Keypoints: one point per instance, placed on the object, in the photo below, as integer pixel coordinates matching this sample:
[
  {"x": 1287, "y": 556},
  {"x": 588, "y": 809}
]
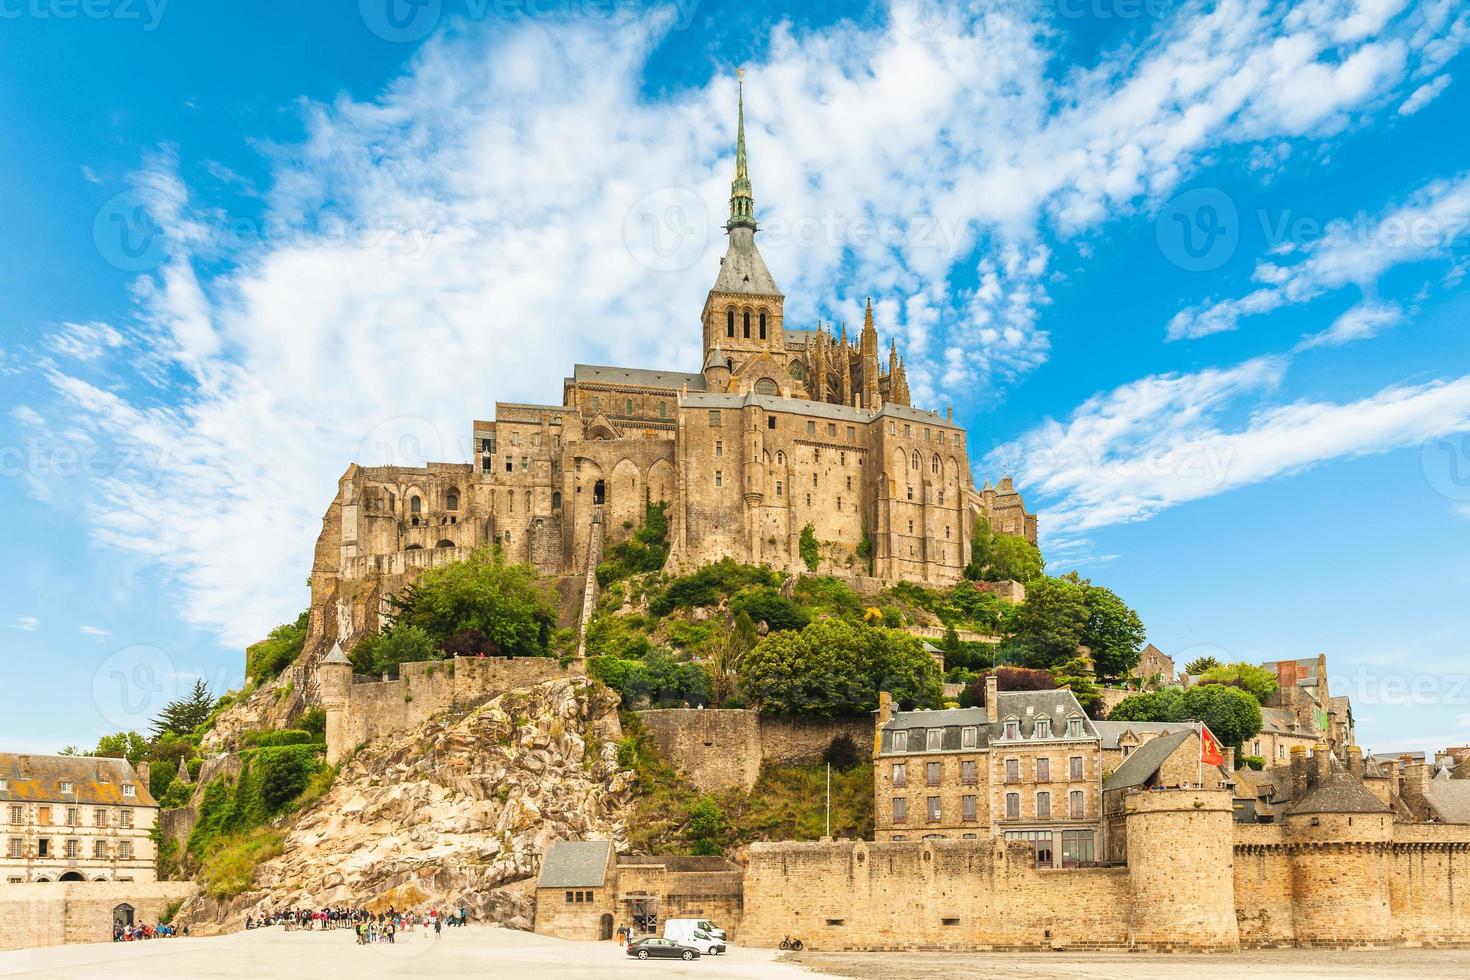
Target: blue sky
[{"x": 1194, "y": 275}]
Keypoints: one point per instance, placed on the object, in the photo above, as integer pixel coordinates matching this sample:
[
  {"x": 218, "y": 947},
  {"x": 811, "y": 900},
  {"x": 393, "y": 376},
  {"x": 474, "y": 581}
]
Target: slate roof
[
  {"x": 1281, "y": 721},
  {"x": 742, "y": 270},
  {"x": 336, "y": 656},
  {"x": 1450, "y": 798},
  {"x": 636, "y": 377},
  {"x": 1023, "y": 706},
  {"x": 1111, "y": 731},
  {"x": 575, "y": 864},
  {"x": 1145, "y": 760},
  {"x": 38, "y": 779},
  {"x": 1338, "y": 793}
]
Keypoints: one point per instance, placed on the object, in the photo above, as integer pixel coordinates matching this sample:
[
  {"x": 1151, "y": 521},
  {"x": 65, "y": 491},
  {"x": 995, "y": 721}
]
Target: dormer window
[
  {"x": 1013, "y": 729},
  {"x": 935, "y": 739},
  {"x": 1043, "y": 728},
  {"x": 66, "y": 786},
  {"x": 1074, "y": 727},
  {"x": 900, "y": 741},
  {"x": 969, "y": 737},
  {"x": 129, "y": 789}
]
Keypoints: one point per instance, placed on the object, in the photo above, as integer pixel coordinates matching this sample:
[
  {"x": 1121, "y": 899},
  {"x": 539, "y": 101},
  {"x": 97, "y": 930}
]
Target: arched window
[
  {"x": 914, "y": 462},
  {"x": 528, "y": 501},
  {"x": 596, "y": 404},
  {"x": 663, "y": 409},
  {"x": 763, "y": 324},
  {"x": 746, "y": 324},
  {"x": 556, "y": 500},
  {"x": 510, "y": 500},
  {"x": 765, "y": 386},
  {"x": 780, "y": 458},
  {"x": 451, "y": 500},
  {"x": 415, "y": 505},
  {"x": 444, "y": 543},
  {"x": 730, "y": 322},
  {"x": 934, "y": 465}
]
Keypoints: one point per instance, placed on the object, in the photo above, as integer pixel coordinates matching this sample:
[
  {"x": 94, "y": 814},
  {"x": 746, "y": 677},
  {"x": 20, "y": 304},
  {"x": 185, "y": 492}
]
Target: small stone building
[
  {"x": 586, "y": 891},
  {"x": 1165, "y": 761}
]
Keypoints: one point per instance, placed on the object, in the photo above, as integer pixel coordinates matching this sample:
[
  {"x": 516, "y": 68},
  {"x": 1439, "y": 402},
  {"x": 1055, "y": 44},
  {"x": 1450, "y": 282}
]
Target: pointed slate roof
[
  {"x": 1338, "y": 793},
  {"x": 1145, "y": 761},
  {"x": 336, "y": 656}
]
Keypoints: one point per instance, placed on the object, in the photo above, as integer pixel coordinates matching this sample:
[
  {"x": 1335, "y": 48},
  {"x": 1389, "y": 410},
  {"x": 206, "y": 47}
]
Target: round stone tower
[
  {"x": 1181, "y": 866},
  {"x": 1341, "y": 840},
  {"x": 334, "y": 677}
]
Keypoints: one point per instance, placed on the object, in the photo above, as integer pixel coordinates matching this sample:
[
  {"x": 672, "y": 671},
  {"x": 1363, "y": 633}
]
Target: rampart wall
[{"x": 724, "y": 748}]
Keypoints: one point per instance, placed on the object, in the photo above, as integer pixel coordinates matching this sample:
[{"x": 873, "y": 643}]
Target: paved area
[
  {"x": 487, "y": 952},
  {"x": 472, "y": 951},
  {"x": 1278, "y": 964}
]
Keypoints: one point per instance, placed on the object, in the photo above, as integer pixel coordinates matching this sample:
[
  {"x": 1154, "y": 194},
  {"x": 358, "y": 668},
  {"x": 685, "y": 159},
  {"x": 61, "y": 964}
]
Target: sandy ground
[
  {"x": 1277, "y": 964},
  {"x": 472, "y": 951},
  {"x": 487, "y": 952}
]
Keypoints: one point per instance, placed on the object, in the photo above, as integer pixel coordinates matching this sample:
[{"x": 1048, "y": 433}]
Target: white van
[
  {"x": 688, "y": 932},
  {"x": 704, "y": 925}
]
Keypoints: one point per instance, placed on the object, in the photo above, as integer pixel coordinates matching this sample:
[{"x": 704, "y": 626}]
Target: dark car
[{"x": 655, "y": 948}]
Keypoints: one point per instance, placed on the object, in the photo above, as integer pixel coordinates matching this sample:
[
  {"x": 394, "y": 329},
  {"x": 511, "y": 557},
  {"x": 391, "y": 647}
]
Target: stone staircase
[{"x": 589, "y": 589}]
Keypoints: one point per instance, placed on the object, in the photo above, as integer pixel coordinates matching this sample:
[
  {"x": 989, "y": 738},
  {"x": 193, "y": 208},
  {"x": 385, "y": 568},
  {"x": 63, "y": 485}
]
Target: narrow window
[
  {"x": 763, "y": 324},
  {"x": 811, "y": 428},
  {"x": 415, "y": 505},
  {"x": 730, "y": 322},
  {"x": 936, "y": 739},
  {"x": 1043, "y": 770},
  {"x": 1043, "y": 728},
  {"x": 714, "y": 417},
  {"x": 933, "y": 808},
  {"x": 1043, "y": 805},
  {"x": 969, "y": 774},
  {"x": 719, "y": 449},
  {"x": 778, "y": 488},
  {"x": 967, "y": 808},
  {"x": 719, "y": 478},
  {"x": 932, "y": 774},
  {"x": 900, "y": 774},
  {"x": 1079, "y": 807},
  {"x": 1013, "y": 770},
  {"x": 1076, "y": 767},
  {"x": 451, "y": 501},
  {"x": 770, "y": 421},
  {"x": 746, "y": 325},
  {"x": 969, "y": 737},
  {"x": 900, "y": 744},
  {"x": 1013, "y": 806},
  {"x": 900, "y": 809},
  {"x": 628, "y": 406},
  {"x": 662, "y": 409}
]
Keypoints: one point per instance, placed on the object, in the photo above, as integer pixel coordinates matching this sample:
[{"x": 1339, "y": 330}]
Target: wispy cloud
[
  {"x": 1350, "y": 252},
  {"x": 1165, "y": 440},
  {"x": 28, "y": 623},
  {"x": 1424, "y": 94},
  {"x": 1359, "y": 323},
  {"x": 95, "y": 631}
]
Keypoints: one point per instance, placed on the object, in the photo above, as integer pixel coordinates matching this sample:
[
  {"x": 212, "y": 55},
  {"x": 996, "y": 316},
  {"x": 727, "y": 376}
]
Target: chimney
[
  {"x": 992, "y": 697},
  {"x": 1298, "y": 772},
  {"x": 1416, "y": 777},
  {"x": 1321, "y": 764},
  {"x": 145, "y": 770},
  {"x": 881, "y": 717},
  {"x": 1355, "y": 762}
]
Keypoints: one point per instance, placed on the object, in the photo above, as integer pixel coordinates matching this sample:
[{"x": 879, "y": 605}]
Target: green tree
[
  {"x": 1200, "y": 665},
  {"x": 1113, "y": 632},
  {"x": 1047, "y": 628},
  {"x": 501, "y": 601},
  {"x": 659, "y": 679},
  {"x": 706, "y": 826},
  {"x": 837, "y": 667},
  {"x": 1232, "y": 714},
  {"x": 1162, "y": 705},
  {"x": 1259, "y": 682},
  {"x": 645, "y": 551},
  {"x": 385, "y": 653},
  {"x": 181, "y": 717},
  {"x": 1074, "y": 675},
  {"x": 807, "y": 547},
  {"x": 725, "y": 654},
  {"x": 1013, "y": 558},
  {"x": 276, "y": 652},
  {"x": 123, "y": 745}
]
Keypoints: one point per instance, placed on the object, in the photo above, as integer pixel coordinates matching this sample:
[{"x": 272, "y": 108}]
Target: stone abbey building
[{"x": 779, "y": 428}]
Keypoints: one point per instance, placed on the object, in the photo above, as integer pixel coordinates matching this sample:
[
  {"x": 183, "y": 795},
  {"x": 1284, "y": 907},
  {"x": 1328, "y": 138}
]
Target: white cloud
[
  {"x": 28, "y": 623},
  {"x": 84, "y": 341},
  {"x": 96, "y": 631},
  {"x": 1359, "y": 323},
  {"x": 1164, "y": 440},
  {"x": 1348, "y": 252},
  {"x": 1423, "y": 95},
  {"x": 484, "y": 197}
]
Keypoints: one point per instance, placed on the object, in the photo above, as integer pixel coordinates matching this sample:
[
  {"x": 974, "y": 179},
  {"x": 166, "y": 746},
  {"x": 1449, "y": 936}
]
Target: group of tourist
[
  {"x": 127, "y": 934},
  {"x": 369, "y": 927}
]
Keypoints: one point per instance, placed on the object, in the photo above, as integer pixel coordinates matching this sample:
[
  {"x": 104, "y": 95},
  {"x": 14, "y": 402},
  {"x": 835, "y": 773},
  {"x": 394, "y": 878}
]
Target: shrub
[
  {"x": 276, "y": 737},
  {"x": 807, "y": 547},
  {"x": 314, "y": 721},
  {"x": 502, "y": 602},
  {"x": 765, "y": 604},
  {"x": 708, "y": 585},
  {"x": 659, "y": 679},
  {"x": 706, "y": 826},
  {"x": 282, "y": 645},
  {"x": 836, "y": 667},
  {"x": 1007, "y": 679},
  {"x": 1259, "y": 682},
  {"x": 229, "y": 869},
  {"x": 825, "y": 595},
  {"x": 645, "y": 551},
  {"x": 384, "y": 653},
  {"x": 1254, "y": 762}
]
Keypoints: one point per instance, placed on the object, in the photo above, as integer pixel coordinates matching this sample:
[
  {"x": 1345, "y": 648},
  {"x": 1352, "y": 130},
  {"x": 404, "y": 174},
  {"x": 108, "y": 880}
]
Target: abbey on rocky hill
[{"x": 781, "y": 428}]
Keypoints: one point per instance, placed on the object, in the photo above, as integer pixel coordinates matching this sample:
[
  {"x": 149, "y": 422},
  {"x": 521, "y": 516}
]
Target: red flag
[{"x": 1209, "y": 747}]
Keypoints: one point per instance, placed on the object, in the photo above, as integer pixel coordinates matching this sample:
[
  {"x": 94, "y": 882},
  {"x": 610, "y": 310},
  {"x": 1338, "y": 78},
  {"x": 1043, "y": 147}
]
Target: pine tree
[{"x": 181, "y": 717}]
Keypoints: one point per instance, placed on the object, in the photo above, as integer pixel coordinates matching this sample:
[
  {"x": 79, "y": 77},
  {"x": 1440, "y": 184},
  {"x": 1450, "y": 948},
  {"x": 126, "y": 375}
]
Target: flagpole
[{"x": 829, "y": 799}]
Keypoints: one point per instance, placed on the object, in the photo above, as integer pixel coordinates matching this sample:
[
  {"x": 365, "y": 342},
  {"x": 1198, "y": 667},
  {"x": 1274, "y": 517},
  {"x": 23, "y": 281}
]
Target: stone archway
[
  {"x": 72, "y": 876},
  {"x": 122, "y": 916},
  {"x": 605, "y": 926}
]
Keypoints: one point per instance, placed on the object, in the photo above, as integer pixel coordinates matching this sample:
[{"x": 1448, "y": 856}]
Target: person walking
[{"x": 438, "y": 924}]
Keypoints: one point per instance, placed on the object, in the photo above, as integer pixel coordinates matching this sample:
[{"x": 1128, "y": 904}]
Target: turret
[
  {"x": 334, "y": 677},
  {"x": 1181, "y": 860},
  {"x": 868, "y": 360}
]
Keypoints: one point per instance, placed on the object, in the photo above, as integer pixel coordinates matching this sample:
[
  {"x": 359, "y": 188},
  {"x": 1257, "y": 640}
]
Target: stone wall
[
  {"x": 53, "y": 913},
  {"x": 939, "y": 894},
  {"x": 374, "y": 709},
  {"x": 724, "y": 748}
]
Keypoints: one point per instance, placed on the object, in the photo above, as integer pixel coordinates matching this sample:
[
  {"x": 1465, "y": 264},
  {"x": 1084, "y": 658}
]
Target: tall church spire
[{"x": 742, "y": 204}]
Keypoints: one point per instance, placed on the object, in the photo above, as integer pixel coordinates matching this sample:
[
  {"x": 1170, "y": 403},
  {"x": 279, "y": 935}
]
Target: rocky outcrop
[{"x": 456, "y": 812}]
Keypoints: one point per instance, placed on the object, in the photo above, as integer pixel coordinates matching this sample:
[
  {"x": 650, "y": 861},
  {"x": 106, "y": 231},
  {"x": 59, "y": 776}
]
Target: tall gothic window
[
  {"x": 746, "y": 324},
  {"x": 730, "y": 322},
  {"x": 763, "y": 324}
]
